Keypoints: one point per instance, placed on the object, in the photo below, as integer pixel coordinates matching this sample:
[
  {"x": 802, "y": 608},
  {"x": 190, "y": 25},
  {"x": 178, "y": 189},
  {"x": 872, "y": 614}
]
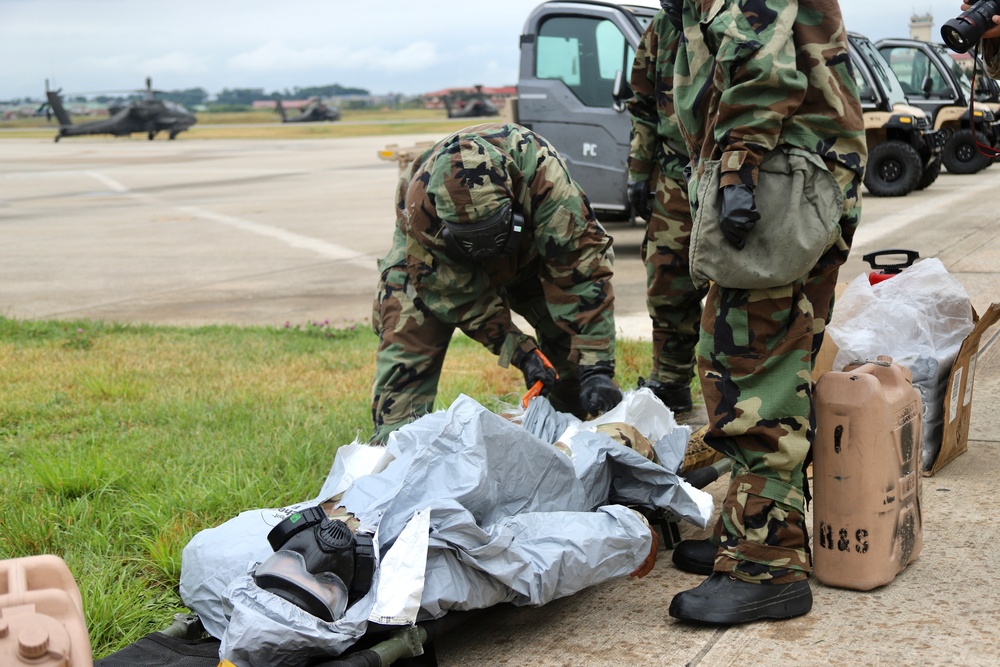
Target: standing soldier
[
  {"x": 489, "y": 221},
  {"x": 658, "y": 192},
  {"x": 752, "y": 77}
]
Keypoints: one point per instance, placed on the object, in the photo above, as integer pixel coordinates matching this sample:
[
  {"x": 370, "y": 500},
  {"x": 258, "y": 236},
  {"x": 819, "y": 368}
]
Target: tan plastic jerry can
[
  {"x": 41, "y": 615},
  {"x": 866, "y": 475}
]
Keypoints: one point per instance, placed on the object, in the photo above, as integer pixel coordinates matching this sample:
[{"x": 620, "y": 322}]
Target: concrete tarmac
[{"x": 266, "y": 232}]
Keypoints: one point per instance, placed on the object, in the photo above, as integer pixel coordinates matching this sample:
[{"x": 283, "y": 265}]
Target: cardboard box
[{"x": 958, "y": 397}]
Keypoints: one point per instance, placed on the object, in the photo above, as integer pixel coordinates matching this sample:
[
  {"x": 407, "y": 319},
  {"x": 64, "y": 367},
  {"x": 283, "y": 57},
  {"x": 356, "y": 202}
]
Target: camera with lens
[
  {"x": 964, "y": 31},
  {"x": 318, "y": 564}
]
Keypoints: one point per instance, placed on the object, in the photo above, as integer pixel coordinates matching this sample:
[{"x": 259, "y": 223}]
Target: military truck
[
  {"x": 933, "y": 81},
  {"x": 904, "y": 151},
  {"x": 576, "y": 58}
]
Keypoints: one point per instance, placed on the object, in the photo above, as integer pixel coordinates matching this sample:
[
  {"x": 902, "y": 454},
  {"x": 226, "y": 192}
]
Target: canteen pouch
[{"x": 800, "y": 205}]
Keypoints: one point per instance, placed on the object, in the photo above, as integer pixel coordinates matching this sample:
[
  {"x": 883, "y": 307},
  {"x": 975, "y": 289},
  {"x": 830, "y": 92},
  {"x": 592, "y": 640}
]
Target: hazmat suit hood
[
  {"x": 468, "y": 180},
  {"x": 469, "y": 187}
]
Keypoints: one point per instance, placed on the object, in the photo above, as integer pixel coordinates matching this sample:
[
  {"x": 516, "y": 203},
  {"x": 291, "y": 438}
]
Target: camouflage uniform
[
  {"x": 658, "y": 154},
  {"x": 558, "y": 278},
  {"x": 990, "y": 51},
  {"x": 751, "y": 75}
]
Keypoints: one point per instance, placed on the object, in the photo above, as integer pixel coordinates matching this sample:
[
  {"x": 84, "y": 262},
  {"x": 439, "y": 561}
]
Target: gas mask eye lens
[{"x": 286, "y": 575}]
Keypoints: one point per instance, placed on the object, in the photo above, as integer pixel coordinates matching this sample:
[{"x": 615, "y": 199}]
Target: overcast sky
[{"x": 384, "y": 46}]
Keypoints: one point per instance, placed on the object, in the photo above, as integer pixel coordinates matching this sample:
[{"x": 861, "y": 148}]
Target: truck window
[
  {"x": 958, "y": 75},
  {"x": 585, "y": 54},
  {"x": 865, "y": 90},
  {"x": 880, "y": 70},
  {"x": 912, "y": 68}
]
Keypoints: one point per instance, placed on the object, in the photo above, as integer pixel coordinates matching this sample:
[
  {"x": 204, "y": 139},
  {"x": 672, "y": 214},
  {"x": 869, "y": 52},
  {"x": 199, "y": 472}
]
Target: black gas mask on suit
[
  {"x": 318, "y": 564},
  {"x": 493, "y": 237}
]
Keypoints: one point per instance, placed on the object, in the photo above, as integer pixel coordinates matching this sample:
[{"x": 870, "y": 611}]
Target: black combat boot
[
  {"x": 725, "y": 600},
  {"x": 675, "y": 395},
  {"x": 695, "y": 556}
]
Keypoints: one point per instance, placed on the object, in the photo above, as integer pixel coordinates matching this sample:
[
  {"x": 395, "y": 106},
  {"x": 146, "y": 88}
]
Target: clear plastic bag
[{"x": 919, "y": 318}]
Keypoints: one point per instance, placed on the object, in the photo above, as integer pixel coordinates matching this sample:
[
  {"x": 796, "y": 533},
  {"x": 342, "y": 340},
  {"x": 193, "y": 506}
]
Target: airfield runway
[
  {"x": 271, "y": 231},
  {"x": 266, "y": 232}
]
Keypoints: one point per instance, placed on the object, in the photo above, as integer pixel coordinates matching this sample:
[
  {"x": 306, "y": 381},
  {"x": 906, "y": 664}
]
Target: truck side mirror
[
  {"x": 619, "y": 92},
  {"x": 927, "y": 85}
]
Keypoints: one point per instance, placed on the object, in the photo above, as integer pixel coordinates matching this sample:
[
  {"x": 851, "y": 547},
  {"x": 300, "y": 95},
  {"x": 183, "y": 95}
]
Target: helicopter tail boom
[{"x": 55, "y": 103}]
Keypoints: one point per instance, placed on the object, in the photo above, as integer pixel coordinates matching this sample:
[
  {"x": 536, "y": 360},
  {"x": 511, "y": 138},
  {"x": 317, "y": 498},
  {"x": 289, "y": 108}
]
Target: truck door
[
  {"x": 926, "y": 84},
  {"x": 570, "y": 56}
]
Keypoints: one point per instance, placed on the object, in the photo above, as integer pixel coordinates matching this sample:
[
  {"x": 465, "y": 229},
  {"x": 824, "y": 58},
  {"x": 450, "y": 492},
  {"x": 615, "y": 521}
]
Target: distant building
[
  {"x": 964, "y": 61},
  {"x": 922, "y": 27},
  {"x": 499, "y": 96}
]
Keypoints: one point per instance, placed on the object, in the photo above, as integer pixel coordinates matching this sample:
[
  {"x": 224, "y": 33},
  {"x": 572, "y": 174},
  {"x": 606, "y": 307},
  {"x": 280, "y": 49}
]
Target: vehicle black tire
[
  {"x": 960, "y": 155},
  {"x": 894, "y": 169},
  {"x": 931, "y": 172}
]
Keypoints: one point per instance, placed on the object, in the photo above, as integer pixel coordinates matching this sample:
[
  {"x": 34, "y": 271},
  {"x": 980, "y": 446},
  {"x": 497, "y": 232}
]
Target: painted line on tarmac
[
  {"x": 108, "y": 181},
  {"x": 291, "y": 239},
  {"x": 891, "y": 224}
]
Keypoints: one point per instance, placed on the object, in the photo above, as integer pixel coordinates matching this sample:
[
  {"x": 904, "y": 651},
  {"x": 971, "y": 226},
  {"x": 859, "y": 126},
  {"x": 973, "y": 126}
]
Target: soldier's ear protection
[{"x": 496, "y": 236}]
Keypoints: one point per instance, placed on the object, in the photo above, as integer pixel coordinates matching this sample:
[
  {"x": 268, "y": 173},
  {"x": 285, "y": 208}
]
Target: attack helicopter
[
  {"x": 477, "y": 105},
  {"x": 314, "y": 111},
  {"x": 149, "y": 114}
]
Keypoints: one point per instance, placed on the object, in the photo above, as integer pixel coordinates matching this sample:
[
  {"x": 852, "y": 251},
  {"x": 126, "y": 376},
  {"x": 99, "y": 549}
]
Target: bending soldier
[{"x": 489, "y": 221}]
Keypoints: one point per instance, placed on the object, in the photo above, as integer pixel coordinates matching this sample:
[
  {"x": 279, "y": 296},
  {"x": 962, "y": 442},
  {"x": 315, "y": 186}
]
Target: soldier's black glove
[
  {"x": 598, "y": 391},
  {"x": 536, "y": 368},
  {"x": 738, "y": 215},
  {"x": 640, "y": 199}
]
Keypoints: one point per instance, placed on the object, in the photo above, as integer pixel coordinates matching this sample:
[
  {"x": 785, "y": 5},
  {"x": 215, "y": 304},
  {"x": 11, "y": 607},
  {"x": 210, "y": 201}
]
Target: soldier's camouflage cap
[{"x": 468, "y": 179}]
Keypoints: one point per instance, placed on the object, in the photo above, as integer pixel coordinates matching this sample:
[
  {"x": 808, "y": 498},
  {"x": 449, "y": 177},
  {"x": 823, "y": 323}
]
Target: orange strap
[{"x": 536, "y": 389}]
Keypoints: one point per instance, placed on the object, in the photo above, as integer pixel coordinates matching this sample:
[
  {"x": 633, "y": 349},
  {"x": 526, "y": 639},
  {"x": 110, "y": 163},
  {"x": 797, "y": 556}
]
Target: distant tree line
[{"x": 247, "y": 96}]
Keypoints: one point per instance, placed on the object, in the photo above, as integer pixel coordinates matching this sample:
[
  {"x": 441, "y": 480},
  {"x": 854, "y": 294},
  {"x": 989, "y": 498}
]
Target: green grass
[{"x": 118, "y": 443}]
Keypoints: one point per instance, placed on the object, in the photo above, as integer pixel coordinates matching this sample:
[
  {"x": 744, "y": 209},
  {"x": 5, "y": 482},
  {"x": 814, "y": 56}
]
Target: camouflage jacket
[
  {"x": 990, "y": 51},
  {"x": 656, "y": 138},
  {"x": 753, "y": 74},
  {"x": 565, "y": 247}
]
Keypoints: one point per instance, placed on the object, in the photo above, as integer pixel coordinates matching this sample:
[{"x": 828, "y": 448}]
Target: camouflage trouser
[
  {"x": 413, "y": 343},
  {"x": 673, "y": 302},
  {"x": 755, "y": 357}
]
